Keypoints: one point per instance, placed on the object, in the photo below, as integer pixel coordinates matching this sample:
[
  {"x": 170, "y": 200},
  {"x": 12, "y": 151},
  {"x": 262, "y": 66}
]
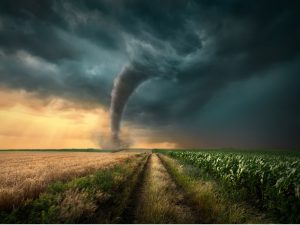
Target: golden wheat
[
  {"x": 75, "y": 204},
  {"x": 25, "y": 175}
]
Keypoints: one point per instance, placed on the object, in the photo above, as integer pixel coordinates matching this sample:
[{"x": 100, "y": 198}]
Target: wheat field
[{"x": 25, "y": 175}]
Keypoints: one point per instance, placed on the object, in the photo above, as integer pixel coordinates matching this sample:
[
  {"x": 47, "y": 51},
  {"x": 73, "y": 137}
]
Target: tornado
[{"x": 128, "y": 80}]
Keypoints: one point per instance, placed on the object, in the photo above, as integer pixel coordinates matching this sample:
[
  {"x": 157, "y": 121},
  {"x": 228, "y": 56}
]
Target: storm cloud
[{"x": 212, "y": 73}]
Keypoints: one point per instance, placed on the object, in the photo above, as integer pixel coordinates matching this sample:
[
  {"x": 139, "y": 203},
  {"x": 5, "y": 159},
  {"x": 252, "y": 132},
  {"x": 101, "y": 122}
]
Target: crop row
[{"x": 272, "y": 181}]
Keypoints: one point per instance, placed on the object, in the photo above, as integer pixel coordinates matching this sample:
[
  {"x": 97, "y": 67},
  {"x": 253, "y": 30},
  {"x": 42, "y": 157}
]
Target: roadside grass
[
  {"x": 98, "y": 198},
  {"x": 212, "y": 201},
  {"x": 160, "y": 201}
]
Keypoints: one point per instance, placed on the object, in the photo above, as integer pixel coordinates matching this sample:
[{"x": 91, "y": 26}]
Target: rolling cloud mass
[{"x": 198, "y": 73}]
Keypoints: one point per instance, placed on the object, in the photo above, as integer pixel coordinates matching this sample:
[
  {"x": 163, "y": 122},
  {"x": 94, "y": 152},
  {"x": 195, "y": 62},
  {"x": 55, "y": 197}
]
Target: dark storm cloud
[{"x": 224, "y": 73}]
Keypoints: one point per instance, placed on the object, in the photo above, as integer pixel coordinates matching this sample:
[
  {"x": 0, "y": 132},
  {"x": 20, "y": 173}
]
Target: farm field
[
  {"x": 156, "y": 186},
  {"x": 26, "y": 174},
  {"x": 268, "y": 182}
]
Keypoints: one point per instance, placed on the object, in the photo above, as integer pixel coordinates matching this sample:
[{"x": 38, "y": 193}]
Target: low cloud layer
[{"x": 217, "y": 74}]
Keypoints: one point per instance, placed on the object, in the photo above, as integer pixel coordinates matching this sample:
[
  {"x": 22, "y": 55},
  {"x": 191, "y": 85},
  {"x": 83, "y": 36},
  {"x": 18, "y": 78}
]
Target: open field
[
  {"x": 270, "y": 182},
  {"x": 147, "y": 186},
  {"x": 25, "y": 174},
  {"x": 99, "y": 197},
  {"x": 60, "y": 150}
]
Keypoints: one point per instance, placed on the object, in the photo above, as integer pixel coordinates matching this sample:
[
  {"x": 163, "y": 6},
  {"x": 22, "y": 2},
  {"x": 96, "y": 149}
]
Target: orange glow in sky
[{"x": 30, "y": 122}]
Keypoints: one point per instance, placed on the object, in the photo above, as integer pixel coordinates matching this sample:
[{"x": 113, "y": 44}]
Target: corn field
[{"x": 272, "y": 181}]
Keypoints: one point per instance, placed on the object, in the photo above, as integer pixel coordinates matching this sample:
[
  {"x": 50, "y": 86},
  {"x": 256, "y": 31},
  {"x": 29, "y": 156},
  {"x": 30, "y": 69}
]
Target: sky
[{"x": 202, "y": 74}]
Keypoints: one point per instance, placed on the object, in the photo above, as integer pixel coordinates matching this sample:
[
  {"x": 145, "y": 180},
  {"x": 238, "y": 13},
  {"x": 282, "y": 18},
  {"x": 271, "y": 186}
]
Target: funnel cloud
[{"x": 124, "y": 85}]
